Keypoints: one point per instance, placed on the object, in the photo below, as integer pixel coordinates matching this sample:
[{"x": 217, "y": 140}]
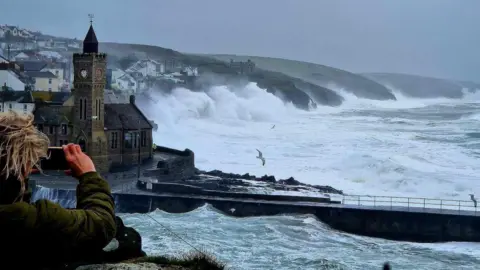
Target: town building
[
  {"x": 44, "y": 80},
  {"x": 12, "y": 76},
  {"x": 112, "y": 134},
  {"x": 19, "y": 101},
  {"x": 241, "y": 67}
]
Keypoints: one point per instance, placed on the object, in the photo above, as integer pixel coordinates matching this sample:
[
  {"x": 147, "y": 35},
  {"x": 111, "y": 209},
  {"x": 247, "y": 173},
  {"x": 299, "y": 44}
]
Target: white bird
[
  {"x": 232, "y": 210},
  {"x": 472, "y": 197},
  {"x": 260, "y": 156}
]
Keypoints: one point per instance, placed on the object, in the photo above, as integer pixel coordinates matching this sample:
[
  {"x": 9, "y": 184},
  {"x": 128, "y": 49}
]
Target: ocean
[{"x": 409, "y": 147}]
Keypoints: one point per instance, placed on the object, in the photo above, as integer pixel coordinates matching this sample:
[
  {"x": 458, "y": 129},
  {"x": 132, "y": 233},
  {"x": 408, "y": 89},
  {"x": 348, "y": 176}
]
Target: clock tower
[{"x": 88, "y": 93}]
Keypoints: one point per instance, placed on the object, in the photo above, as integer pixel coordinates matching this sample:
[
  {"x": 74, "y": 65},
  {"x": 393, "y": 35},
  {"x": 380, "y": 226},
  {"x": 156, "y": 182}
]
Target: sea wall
[
  {"x": 176, "y": 188},
  {"x": 176, "y": 166},
  {"x": 414, "y": 225}
]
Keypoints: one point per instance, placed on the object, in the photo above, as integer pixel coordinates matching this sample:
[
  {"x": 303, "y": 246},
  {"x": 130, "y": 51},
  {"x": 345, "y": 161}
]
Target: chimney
[{"x": 132, "y": 99}]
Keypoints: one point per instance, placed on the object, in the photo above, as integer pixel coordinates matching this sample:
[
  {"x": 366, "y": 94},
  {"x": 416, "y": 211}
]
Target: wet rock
[
  {"x": 267, "y": 178},
  {"x": 125, "y": 266},
  {"x": 290, "y": 181}
]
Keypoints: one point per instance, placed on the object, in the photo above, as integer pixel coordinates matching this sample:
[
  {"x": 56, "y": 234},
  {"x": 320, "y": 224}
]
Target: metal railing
[{"x": 409, "y": 203}]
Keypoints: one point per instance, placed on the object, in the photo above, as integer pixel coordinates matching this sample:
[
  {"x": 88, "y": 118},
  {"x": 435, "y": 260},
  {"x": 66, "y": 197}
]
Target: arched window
[
  {"x": 81, "y": 108},
  {"x": 128, "y": 139},
  {"x": 98, "y": 108},
  {"x": 84, "y": 108}
]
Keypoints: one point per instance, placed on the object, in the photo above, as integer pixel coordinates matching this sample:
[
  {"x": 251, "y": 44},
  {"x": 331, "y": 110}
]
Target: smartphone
[{"x": 55, "y": 161}]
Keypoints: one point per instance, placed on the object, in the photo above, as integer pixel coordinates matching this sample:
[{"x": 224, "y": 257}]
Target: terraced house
[{"x": 113, "y": 132}]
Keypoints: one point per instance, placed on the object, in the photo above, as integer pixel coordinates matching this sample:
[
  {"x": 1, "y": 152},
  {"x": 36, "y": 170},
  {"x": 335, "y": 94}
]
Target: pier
[{"x": 393, "y": 218}]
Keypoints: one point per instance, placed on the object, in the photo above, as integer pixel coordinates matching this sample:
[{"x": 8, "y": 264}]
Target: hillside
[
  {"x": 290, "y": 88},
  {"x": 320, "y": 75},
  {"x": 423, "y": 87}
]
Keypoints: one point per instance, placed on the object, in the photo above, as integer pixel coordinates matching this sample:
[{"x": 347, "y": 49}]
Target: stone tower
[{"x": 88, "y": 112}]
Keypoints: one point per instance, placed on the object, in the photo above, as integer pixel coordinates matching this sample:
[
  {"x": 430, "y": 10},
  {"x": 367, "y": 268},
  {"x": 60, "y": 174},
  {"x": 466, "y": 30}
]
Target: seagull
[
  {"x": 472, "y": 197},
  {"x": 232, "y": 210},
  {"x": 260, "y": 156},
  {"x": 272, "y": 127}
]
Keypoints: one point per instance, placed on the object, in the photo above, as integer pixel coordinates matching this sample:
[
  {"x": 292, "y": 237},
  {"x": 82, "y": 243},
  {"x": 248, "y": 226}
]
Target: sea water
[{"x": 409, "y": 147}]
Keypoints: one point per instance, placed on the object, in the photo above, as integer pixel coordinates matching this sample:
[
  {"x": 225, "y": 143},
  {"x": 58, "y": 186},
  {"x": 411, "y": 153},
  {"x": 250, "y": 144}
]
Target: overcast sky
[{"x": 437, "y": 38}]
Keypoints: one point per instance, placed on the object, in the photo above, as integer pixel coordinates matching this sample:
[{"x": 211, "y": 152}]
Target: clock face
[
  {"x": 83, "y": 73},
  {"x": 98, "y": 73}
]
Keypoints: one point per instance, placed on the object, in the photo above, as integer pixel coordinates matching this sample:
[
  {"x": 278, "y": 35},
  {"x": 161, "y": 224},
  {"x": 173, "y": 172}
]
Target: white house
[
  {"x": 147, "y": 67},
  {"x": 19, "y": 101},
  {"x": 51, "y": 55},
  {"x": 2, "y": 58},
  {"x": 21, "y": 56},
  {"x": 125, "y": 83},
  {"x": 191, "y": 71},
  {"x": 74, "y": 45},
  {"x": 117, "y": 73},
  {"x": 10, "y": 79}
]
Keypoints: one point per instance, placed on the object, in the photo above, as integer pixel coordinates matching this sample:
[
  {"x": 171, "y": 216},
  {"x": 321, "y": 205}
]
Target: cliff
[
  {"x": 321, "y": 75},
  {"x": 423, "y": 87},
  {"x": 217, "y": 72}
]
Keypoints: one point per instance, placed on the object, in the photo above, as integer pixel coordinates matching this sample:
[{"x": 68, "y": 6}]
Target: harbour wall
[{"x": 394, "y": 223}]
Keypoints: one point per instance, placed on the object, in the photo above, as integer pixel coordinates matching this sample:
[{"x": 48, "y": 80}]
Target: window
[
  {"x": 143, "y": 138},
  {"x": 64, "y": 129},
  {"x": 135, "y": 139},
  {"x": 51, "y": 129},
  {"x": 10, "y": 106},
  {"x": 25, "y": 107},
  {"x": 50, "y": 89},
  {"x": 84, "y": 108},
  {"x": 1, "y": 108},
  {"x": 56, "y": 73},
  {"x": 50, "y": 81},
  {"x": 97, "y": 108},
  {"x": 128, "y": 139},
  {"x": 81, "y": 108},
  {"x": 114, "y": 140}
]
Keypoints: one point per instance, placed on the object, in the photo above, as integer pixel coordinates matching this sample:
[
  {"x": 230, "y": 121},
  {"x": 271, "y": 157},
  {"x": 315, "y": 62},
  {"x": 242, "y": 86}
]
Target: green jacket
[{"x": 45, "y": 233}]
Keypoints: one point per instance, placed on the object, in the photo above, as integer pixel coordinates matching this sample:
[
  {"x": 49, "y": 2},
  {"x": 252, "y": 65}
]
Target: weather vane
[{"x": 91, "y": 18}]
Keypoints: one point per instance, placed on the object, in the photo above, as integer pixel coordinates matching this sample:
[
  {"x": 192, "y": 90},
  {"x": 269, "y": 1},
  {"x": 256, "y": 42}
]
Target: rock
[
  {"x": 120, "y": 266},
  {"x": 267, "y": 178},
  {"x": 290, "y": 181}
]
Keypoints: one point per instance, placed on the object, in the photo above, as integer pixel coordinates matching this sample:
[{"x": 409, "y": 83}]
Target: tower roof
[{"x": 90, "y": 43}]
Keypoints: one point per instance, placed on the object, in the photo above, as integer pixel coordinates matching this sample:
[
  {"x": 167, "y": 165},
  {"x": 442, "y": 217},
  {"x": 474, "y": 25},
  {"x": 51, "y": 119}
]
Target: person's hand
[{"x": 78, "y": 161}]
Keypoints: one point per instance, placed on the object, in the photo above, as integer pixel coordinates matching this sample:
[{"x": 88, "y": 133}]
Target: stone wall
[
  {"x": 415, "y": 226},
  {"x": 178, "y": 165},
  {"x": 394, "y": 225},
  {"x": 126, "y": 157},
  {"x": 176, "y": 188}
]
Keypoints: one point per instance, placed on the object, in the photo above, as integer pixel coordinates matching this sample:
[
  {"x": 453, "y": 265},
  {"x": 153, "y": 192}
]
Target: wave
[
  {"x": 402, "y": 101},
  {"x": 289, "y": 239},
  {"x": 254, "y": 104}
]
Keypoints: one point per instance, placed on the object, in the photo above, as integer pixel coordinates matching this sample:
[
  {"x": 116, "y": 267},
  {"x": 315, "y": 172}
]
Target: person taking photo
[{"x": 43, "y": 233}]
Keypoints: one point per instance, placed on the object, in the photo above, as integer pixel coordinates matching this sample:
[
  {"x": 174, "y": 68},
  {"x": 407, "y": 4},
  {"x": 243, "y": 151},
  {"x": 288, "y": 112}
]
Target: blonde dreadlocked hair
[{"x": 21, "y": 145}]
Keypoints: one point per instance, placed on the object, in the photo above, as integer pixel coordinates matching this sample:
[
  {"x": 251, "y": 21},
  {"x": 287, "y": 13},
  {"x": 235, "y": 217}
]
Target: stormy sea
[{"x": 417, "y": 147}]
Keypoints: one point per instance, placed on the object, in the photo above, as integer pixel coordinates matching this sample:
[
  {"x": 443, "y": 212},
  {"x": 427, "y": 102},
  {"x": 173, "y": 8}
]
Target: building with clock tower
[
  {"x": 88, "y": 115},
  {"x": 113, "y": 132}
]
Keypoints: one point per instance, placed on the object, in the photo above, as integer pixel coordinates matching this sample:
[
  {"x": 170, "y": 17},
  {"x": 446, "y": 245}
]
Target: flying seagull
[
  {"x": 272, "y": 127},
  {"x": 472, "y": 197},
  {"x": 260, "y": 156}
]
